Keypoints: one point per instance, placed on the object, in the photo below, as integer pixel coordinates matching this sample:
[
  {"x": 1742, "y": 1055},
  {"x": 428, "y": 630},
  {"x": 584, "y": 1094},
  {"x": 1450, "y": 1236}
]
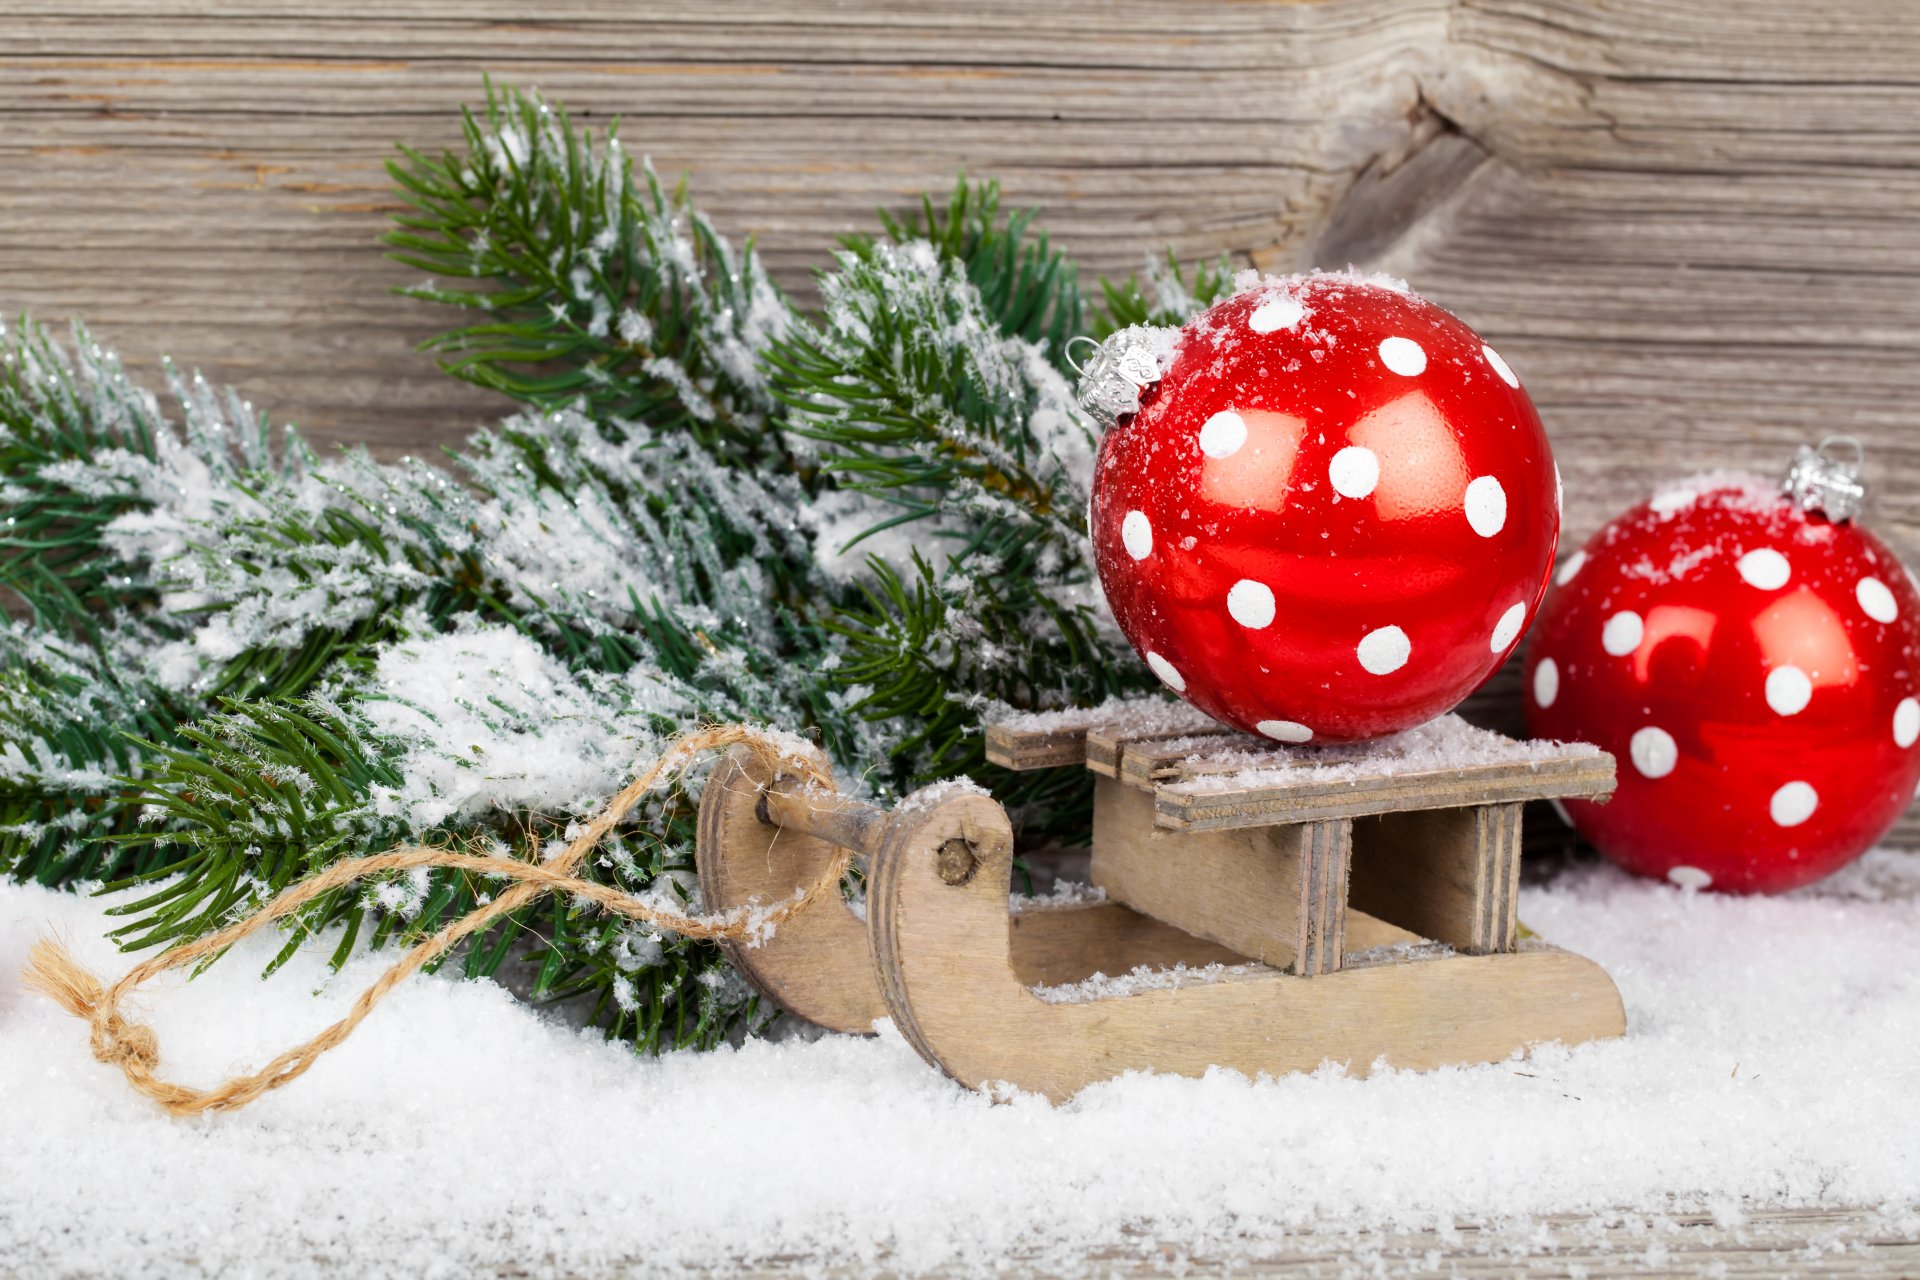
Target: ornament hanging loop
[
  {"x": 1826, "y": 478},
  {"x": 1072, "y": 361},
  {"x": 1117, "y": 371}
]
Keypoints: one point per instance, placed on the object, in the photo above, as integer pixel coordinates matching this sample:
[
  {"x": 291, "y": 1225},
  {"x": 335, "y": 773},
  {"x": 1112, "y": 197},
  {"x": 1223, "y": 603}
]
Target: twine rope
[{"x": 135, "y": 1049}]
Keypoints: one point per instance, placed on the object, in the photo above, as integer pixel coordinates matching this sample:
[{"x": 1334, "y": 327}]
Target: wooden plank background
[{"x": 1689, "y": 224}]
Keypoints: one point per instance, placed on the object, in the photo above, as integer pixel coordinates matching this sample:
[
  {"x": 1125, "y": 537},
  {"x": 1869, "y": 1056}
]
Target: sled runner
[{"x": 1268, "y": 908}]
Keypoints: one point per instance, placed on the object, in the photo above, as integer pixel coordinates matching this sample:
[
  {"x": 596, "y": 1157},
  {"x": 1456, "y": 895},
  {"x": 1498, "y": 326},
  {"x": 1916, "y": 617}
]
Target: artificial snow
[
  {"x": 1065, "y": 893},
  {"x": 491, "y": 721},
  {"x": 1448, "y": 742},
  {"x": 1216, "y": 758},
  {"x": 1135, "y": 717},
  {"x": 1769, "y": 1062},
  {"x": 1099, "y": 986}
]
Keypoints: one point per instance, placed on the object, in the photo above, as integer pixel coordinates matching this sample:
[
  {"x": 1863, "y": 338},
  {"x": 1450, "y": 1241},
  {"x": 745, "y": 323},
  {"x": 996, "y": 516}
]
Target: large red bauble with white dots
[
  {"x": 1332, "y": 516},
  {"x": 1753, "y": 667}
]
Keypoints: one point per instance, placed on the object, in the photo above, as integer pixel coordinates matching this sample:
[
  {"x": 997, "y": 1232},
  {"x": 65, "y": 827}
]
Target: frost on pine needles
[{"x": 235, "y": 662}]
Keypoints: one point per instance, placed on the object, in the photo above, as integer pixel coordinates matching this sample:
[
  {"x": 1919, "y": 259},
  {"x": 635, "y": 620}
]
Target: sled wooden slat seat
[{"x": 1275, "y": 850}]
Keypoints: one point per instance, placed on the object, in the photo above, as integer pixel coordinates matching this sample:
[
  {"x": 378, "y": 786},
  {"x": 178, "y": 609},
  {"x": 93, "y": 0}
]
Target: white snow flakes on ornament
[
  {"x": 1499, "y": 366},
  {"x": 1575, "y": 562},
  {"x": 1507, "y": 630},
  {"x": 1876, "y": 600},
  {"x": 1766, "y": 569},
  {"x": 1546, "y": 682},
  {"x": 1788, "y": 690},
  {"x": 1621, "y": 634},
  {"x": 1486, "y": 504},
  {"x": 1793, "y": 804},
  {"x": 1668, "y": 501},
  {"x": 1403, "y": 356},
  {"x": 1354, "y": 471},
  {"x": 1285, "y": 730},
  {"x": 1906, "y": 723},
  {"x": 1384, "y": 651},
  {"x": 1689, "y": 877},
  {"x": 1251, "y": 604},
  {"x": 1223, "y": 434},
  {"x": 1169, "y": 676},
  {"x": 1278, "y": 312},
  {"x": 1653, "y": 751},
  {"x": 1136, "y": 534}
]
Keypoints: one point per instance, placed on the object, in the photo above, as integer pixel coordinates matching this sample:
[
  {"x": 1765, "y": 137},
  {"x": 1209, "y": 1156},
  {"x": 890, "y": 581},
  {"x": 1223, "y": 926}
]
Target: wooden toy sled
[{"x": 1266, "y": 908}]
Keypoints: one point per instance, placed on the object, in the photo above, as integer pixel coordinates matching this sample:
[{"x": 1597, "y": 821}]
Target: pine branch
[
  {"x": 1164, "y": 298},
  {"x": 260, "y": 795},
  {"x": 1030, "y": 289},
  {"x": 225, "y": 571},
  {"x": 97, "y": 493},
  {"x": 599, "y": 290},
  {"x": 964, "y": 442},
  {"x": 244, "y": 663}
]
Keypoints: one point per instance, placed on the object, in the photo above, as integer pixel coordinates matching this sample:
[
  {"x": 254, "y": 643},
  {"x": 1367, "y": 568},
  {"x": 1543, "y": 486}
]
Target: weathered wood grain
[
  {"x": 1787, "y": 1242},
  {"x": 1688, "y": 225}
]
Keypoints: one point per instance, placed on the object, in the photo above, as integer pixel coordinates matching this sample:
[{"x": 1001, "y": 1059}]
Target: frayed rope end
[{"x": 54, "y": 973}]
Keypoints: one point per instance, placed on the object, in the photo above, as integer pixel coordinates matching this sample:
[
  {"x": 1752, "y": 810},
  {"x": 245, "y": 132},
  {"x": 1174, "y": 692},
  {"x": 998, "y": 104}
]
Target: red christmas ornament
[
  {"x": 1332, "y": 514},
  {"x": 1753, "y": 665}
]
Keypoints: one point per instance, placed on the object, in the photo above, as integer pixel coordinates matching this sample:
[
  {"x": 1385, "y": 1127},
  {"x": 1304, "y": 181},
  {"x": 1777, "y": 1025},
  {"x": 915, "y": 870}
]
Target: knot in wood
[{"x": 955, "y": 861}]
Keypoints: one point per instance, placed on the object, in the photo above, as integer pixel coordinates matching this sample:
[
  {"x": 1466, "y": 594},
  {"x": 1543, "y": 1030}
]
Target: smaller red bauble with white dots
[
  {"x": 1755, "y": 668},
  {"x": 1325, "y": 508}
]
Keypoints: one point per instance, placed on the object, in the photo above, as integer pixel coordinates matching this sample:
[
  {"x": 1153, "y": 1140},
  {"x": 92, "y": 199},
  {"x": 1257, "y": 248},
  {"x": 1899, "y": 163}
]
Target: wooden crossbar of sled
[{"x": 1288, "y": 906}]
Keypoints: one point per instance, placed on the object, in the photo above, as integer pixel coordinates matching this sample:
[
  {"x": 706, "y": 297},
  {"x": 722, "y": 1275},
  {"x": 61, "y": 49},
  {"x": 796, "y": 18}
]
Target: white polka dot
[
  {"x": 1165, "y": 670},
  {"x": 1136, "y": 532},
  {"x": 1621, "y": 635},
  {"x": 1280, "y": 312},
  {"x": 1354, "y": 471},
  {"x": 1384, "y": 651},
  {"x": 1507, "y": 630},
  {"x": 1546, "y": 681},
  {"x": 1403, "y": 356},
  {"x": 1223, "y": 434},
  {"x": 1766, "y": 569},
  {"x": 1575, "y": 562},
  {"x": 1788, "y": 690},
  {"x": 1876, "y": 600},
  {"x": 1689, "y": 877},
  {"x": 1906, "y": 723},
  {"x": 1499, "y": 366},
  {"x": 1251, "y": 603},
  {"x": 1793, "y": 804},
  {"x": 1486, "y": 504},
  {"x": 1285, "y": 730},
  {"x": 1653, "y": 751}
]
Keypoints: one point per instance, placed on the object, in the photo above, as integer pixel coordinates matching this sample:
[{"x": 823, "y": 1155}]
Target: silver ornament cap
[
  {"x": 1826, "y": 478},
  {"x": 1118, "y": 370}
]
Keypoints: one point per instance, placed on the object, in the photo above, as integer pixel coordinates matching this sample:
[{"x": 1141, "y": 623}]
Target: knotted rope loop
[
  {"x": 117, "y": 1041},
  {"x": 135, "y": 1049}
]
